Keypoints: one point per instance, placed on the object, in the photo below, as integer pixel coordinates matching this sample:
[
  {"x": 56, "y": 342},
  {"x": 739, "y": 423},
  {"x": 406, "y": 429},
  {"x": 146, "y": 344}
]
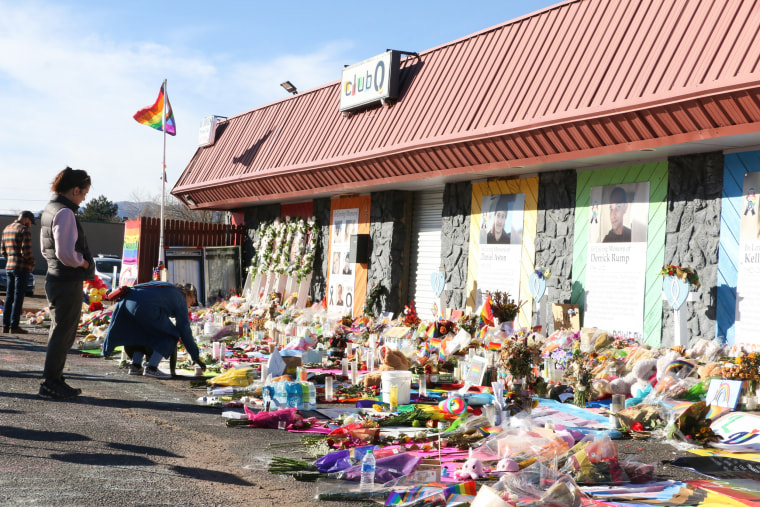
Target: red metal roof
[{"x": 581, "y": 78}]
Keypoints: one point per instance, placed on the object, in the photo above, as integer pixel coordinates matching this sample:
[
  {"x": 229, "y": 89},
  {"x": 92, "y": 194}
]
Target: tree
[
  {"x": 174, "y": 209},
  {"x": 100, "y": 209}
]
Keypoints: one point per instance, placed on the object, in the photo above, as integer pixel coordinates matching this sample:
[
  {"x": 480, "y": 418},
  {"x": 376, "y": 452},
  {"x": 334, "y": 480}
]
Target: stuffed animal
[
  {"x": 600, "y": 388},
  {"x": 472, "y": 469},
  {"x": 507, "y": 465},
  {"x": 393, "y": 360},
  {"x": 710, "y": 370},
  {"x": 637, "y": 379}
]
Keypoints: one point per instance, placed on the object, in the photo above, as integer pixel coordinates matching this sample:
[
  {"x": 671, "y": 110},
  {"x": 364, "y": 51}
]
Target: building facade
[{"x": 596, "y": 139}]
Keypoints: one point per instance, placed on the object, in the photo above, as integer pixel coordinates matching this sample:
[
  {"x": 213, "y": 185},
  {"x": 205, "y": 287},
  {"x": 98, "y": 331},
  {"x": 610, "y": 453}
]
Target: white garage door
[{"x": 425, "y": 249}]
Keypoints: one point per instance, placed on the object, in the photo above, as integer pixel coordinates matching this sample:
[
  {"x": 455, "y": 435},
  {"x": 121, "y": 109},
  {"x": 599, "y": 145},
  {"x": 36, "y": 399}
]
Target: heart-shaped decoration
[
  {"x": 537, "y": 286},
  {"x": 437, "y": 282},
  {"x": 676, "y": 291}
]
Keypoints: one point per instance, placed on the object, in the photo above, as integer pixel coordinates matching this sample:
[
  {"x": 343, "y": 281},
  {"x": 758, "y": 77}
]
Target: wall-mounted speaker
[{"x": 359, "y": 252}]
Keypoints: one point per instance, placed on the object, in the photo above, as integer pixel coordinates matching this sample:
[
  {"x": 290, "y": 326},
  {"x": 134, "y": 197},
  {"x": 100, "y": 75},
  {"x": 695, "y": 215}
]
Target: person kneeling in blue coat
[{"x": 141, "y": 319}]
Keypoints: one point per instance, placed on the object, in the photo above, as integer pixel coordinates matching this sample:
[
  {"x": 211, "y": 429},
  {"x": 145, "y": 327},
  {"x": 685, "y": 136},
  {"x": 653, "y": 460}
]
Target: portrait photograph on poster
[
  {"x": 342, "y": 270},
  {"x": 749, "y": 212},
  {"x": 616, "y": 257},
  {"x": 500, "y": 251},
  {"x": 619, "y": 213},
  {"x": 502, "y": 219},
  {"x": 746, "y": 316}
]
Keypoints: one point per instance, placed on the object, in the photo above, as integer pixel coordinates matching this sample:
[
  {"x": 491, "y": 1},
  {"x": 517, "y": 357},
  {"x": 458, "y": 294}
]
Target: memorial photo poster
[
  {"x": 501, "y": 230},
  {"x": 616, "y": 257},
  {"x": 340, "y": 291},
  {"x": 747, "y": 320}
]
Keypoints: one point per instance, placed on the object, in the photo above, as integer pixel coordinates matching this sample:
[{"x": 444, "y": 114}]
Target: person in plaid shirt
[{"x": 16, "y": 246}]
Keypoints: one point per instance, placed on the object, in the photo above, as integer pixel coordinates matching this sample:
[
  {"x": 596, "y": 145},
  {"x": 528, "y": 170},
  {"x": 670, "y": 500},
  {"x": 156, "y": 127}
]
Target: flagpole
[{"x": 163, "y": 181}]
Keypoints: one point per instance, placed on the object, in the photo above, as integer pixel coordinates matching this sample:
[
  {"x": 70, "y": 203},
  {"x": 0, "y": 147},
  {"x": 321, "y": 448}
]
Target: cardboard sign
[
  {"x": 739, "y": 432},
  {"x": 566, "y": 316},
  {"x": 397, "y": 332},
  {"x": 477, "y": 371},
  {"x": 723, "y": 393}
]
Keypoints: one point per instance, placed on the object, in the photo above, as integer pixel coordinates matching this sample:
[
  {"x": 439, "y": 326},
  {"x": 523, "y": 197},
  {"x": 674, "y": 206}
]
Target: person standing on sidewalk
[
  {"x": 70, "y": 263},
  {"x": 16, "y": 247}
]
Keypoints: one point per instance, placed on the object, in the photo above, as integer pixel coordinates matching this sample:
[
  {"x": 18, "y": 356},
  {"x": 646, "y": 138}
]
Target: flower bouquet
[
  {"x": 469, "y": 323},
  {"x": 519, "y": 356},
  {"x": 504, "y": 307}
]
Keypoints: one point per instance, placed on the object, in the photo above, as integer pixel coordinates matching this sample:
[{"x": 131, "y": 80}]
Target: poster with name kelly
[
  {"x": 616, "y": 257},
  {"x": 748, "y": 284},
  {"x": 340, "y": 291},
  {"x": 501, "y": 230}
]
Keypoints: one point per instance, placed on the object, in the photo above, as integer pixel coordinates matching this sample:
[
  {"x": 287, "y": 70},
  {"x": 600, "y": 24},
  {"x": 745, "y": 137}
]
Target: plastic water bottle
[{"x": 368, "y": 472}]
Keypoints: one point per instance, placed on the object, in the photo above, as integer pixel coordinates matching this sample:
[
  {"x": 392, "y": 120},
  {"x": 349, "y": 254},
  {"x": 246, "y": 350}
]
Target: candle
[
  {"x": 394, "y": 398},
  {"x": 328, "y": 388}
]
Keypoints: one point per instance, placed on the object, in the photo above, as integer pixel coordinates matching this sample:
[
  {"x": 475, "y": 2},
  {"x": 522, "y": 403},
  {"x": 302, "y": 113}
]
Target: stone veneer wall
[
  {"x": 253, "y": 217},
  {"x": 554, "y": 238},
  {"x": 455, "y": 239},
  {"x": 319, "y": 275},
  {"x": 695, "y": 184},
  {"x": 390, "y": 231}
]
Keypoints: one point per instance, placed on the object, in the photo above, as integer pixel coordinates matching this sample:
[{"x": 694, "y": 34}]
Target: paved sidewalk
[{"x": 127, "y": 441}]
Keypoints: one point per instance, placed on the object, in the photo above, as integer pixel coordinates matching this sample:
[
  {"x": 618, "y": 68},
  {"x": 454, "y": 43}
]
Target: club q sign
[{"x": 373, "y": 80}]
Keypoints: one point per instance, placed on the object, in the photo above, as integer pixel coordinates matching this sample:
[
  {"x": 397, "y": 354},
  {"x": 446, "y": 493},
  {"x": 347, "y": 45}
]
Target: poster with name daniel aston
[{"x": 616, "y": 257}]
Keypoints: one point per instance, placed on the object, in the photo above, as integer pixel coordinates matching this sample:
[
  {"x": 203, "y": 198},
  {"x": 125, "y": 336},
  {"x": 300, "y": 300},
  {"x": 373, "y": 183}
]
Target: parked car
[
  {"x": 4, "y": 279},
  {"x": 104, "y": 266}
]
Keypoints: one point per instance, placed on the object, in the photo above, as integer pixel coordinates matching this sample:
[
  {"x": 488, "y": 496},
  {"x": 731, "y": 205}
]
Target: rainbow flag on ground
[
  {"x": 153, "y": 116},
  {"x": 440, "y": 491}
]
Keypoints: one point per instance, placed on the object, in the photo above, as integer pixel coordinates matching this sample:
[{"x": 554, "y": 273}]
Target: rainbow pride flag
[
  {"x": 486, "y": 314},
  {"x": 153, "y": 116}
]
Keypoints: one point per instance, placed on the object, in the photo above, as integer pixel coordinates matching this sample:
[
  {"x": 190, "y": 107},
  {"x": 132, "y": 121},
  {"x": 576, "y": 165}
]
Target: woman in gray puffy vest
[{"x": 64, "y": 246}]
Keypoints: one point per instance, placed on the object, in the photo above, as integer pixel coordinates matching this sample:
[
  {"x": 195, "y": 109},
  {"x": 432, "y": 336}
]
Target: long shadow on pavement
[
  {"x": 121, "y": 403},
  {"x": 41, "y": 436},
  {"x": 103, "y": 459},
  {"x": 140, "y": 449},
  {"x": 210, "y": 475}
]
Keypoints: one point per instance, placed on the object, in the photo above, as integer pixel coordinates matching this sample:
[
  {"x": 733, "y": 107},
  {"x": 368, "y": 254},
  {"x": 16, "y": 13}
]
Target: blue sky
[{"x": 72, "y": 74}]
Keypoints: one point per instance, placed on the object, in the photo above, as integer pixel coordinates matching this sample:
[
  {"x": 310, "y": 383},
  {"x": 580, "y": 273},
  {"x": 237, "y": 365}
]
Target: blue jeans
[{"x": 14, "y": 296}]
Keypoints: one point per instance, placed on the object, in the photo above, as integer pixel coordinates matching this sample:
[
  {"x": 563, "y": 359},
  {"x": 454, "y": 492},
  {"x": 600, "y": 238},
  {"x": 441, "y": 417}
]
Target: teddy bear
[
  {"x": 600, "y": 388},
  {"x": 637, "y": 380},
  {"x": 710, "y": 370},
  {"x": 393, "y": 360}
]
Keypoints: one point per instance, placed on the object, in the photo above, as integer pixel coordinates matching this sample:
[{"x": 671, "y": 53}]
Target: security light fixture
[
  {"x": 189, "y": 200},
  {"x": 289, "y": 87}
]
